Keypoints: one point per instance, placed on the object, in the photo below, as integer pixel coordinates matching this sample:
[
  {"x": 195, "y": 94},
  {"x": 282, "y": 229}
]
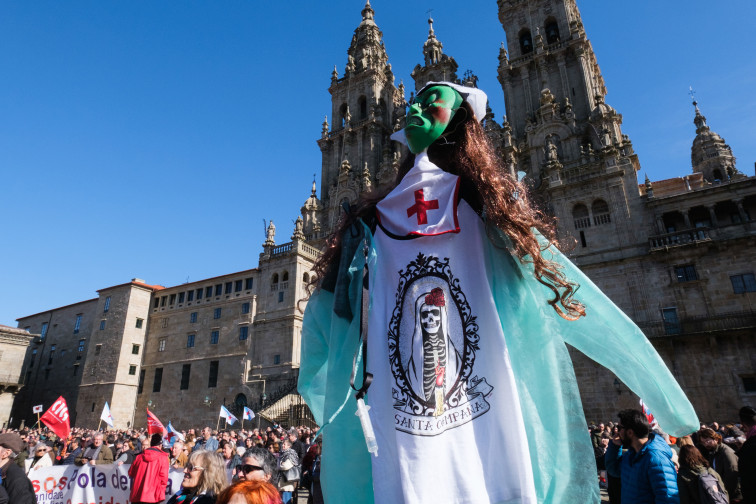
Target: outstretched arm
[{"x": 610, "y": 338}]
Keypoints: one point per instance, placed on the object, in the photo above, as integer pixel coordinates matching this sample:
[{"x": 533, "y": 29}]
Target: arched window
[
  {"x": 240, "y": 402},
  {"x": 274, "y": 280},
  {"x": 552, "y": 31},
  {"x": 362, "y": 102},
  {"x": 717, "y": 175},
  {"x": 526, "y": 42},
  {"x": 306, "y": 278},
  {"x": 342, "y": 115},
  {"x": 285, "y": 276},
  {"x": 601, "y": 212},
  {"x": 580, "y": 216}
]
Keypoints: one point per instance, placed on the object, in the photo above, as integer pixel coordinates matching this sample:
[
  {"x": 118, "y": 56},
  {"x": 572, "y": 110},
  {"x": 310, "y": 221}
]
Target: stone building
[
  {"x": 85, "y": 352},
  {"x": 181, "y": 351},
  {"x": 676, "y": 255},
  {"x": 13, "y": 345}
]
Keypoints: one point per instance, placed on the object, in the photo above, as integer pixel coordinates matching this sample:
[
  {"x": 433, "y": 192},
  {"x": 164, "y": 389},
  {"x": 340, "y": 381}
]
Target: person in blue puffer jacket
[{"x": 646, "y": 469}]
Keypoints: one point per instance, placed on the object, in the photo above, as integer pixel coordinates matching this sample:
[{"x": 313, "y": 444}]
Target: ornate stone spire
[
  {"x": 311, "y": 212},
  {"x": 432, "y": 49},
  {"x": 699, "y": 120},
  {"x": 438, "y": 66},
  {"x": 324, "y": 131},
  {"x": 366, "y": 52},
  {"x": 649, "y": 187},
  {"x": 710, "y": 154}
]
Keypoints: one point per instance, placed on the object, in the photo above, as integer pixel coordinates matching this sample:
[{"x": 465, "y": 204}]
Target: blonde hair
[{"x": 213, "y": 479}]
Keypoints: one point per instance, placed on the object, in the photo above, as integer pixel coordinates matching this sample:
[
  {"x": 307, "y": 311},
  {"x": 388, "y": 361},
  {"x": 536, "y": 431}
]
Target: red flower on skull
[{"x": 435, "y": 298}]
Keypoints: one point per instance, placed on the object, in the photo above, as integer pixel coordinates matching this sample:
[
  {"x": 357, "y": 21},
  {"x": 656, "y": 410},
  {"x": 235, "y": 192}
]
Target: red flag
[
  {"x": 154, "y": 426},
  {"x": 56, "y": 418}
]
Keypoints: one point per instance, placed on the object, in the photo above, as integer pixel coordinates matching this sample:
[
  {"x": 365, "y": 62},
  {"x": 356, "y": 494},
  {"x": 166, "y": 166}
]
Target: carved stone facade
[
  {"x": 676, "y": 255},
  {"x": 13, "y": 346},
  {"x": 366, "y": 109}
]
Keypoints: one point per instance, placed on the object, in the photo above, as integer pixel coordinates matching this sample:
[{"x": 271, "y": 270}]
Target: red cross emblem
[{"x": 421, "y": 207}]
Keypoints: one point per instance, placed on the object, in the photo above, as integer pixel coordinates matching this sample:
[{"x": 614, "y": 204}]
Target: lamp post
[{"x": 263, "y": 397}]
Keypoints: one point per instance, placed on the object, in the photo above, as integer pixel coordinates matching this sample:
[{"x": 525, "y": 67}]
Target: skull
[{"x": 430, "y": 318}]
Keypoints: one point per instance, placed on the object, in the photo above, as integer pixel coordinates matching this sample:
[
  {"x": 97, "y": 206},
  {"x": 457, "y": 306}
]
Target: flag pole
[
  {"x": 99, "y": 424},
  {"x": 217, "y": 424}
]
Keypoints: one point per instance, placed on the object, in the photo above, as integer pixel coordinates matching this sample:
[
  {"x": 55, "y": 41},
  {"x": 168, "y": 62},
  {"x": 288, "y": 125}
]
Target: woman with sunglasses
[
  {"x": 257, "y": 464},
  {"x": 204, "y": 479},
  {"x": 40, "y": 459}
]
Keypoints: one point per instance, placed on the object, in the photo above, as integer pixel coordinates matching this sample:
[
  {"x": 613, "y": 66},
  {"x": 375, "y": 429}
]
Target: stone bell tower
[
  {"x": 710, "y": 155},
  {"x": 560, "y": 130},
  {"x": 366, "y": 108},
  {"x": 438, "y": 66}
]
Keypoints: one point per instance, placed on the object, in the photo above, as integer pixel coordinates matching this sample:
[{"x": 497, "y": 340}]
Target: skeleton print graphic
[{"x": 432, "y": 342}]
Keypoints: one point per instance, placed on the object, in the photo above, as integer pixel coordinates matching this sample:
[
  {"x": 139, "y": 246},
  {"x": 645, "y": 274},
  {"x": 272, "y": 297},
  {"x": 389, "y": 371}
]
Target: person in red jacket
[{"x": 149, "y": 473}]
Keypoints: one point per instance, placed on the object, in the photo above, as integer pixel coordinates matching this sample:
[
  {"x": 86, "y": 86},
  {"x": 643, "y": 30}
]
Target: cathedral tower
[
  {"x": 560, "y": 130},
  {"x": 710, "y": 155},
  {"x": 366, "y": 108},
  {"x": 438, "y": 66}
]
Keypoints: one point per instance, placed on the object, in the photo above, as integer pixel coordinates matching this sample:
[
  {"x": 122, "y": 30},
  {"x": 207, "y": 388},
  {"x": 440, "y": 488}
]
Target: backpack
[{"x": 710, "y": 491}]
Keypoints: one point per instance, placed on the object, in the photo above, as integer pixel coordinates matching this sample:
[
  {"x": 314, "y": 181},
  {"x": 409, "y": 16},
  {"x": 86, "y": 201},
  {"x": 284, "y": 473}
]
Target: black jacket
[
  {"x": 747, "y": 470},
  {"x": 17, "y": 484}
]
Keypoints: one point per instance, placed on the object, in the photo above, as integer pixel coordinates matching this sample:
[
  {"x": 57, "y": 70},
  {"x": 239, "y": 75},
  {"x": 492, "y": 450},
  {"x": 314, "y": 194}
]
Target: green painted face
[{"x": 429, "y": 115}]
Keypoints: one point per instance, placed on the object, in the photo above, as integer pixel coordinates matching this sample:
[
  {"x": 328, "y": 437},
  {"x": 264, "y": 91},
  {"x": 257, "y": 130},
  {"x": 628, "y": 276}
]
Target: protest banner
[{"x": 101, "y": 484}]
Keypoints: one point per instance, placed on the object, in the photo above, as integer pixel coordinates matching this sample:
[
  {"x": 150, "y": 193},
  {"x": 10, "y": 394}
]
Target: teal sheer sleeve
[
  {"x": 609, "y": 337},
  {"x": 313, "y": 369},
  {"x": 329, "y": 344}
]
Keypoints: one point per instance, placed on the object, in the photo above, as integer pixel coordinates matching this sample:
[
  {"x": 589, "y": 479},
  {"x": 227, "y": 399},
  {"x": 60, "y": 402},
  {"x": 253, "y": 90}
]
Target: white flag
[
  {"x": 248, "y": 414},
  {"x": 224, "y": 413},
  {"x": 105, "y": 417}
]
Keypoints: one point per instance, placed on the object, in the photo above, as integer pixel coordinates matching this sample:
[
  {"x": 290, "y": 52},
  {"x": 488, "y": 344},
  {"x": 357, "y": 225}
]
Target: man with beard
[
  {"x": 97, "y": 453},
  {"x": 646, "y": 468},
  {"x": 207, "y": 442}
]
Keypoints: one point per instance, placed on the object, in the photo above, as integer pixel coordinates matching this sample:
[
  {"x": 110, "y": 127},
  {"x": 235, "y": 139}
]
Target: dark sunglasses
[{"x": 248, "y": 468}]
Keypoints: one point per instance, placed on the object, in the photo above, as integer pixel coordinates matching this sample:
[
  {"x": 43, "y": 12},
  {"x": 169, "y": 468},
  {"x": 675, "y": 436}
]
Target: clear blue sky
[{"x": 150, "y": 139}]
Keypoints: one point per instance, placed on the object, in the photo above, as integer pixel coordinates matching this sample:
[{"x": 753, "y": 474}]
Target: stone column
[
  {"x": 741, "y": 210},
  {"x": 712, "y": 216},
  {"x": 660, "y": 227}
]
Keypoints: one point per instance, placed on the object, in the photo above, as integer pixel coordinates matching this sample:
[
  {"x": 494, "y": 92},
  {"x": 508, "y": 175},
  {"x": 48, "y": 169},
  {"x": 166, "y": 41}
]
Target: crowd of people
[
  {"x": 636, "y": 462},
  {"x": 639, "y": 463},
  {"x": 268, "y": 466}
]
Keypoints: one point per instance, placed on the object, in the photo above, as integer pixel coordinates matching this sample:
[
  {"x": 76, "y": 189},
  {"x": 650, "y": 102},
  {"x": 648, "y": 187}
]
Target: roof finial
[
  {"x": 700, "y": 119},
  {"x": 430, "y": 23},
  {"x": 314, "y": 186},
  {"x": 367, "y": 12}
]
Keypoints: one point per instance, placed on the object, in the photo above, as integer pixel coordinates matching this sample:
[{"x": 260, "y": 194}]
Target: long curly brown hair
[{"x": 464, "y": 150}]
